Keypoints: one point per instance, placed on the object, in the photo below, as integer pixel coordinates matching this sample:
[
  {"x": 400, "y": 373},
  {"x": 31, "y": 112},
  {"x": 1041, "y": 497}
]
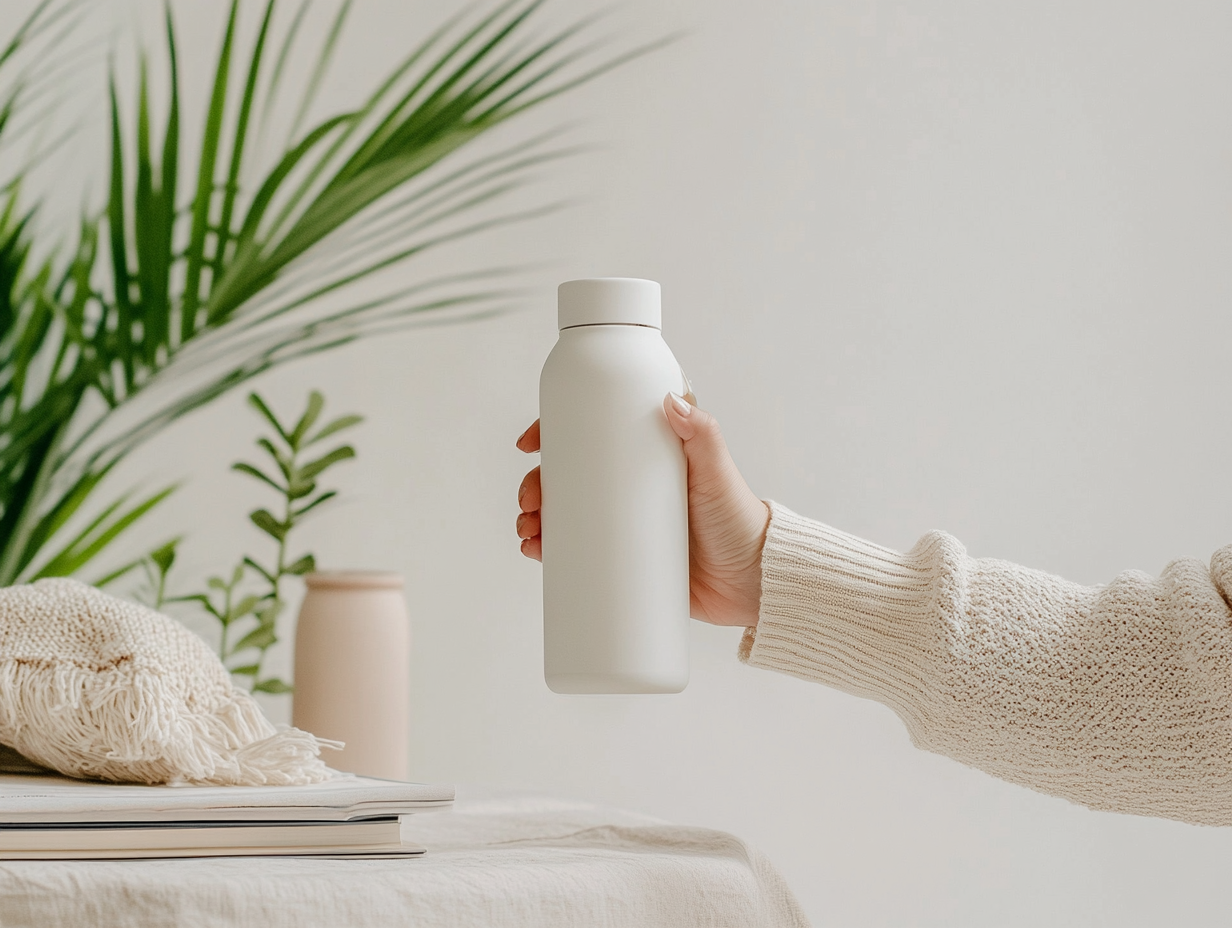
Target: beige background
[{"x": 933, "y": 265}]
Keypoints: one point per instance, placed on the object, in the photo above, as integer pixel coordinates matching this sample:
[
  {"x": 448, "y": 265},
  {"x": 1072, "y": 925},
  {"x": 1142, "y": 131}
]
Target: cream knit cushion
[{"x": 94, "y": 686}]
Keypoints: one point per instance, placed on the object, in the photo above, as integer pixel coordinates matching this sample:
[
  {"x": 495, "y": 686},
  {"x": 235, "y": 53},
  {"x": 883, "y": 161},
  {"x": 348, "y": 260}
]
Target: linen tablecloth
[{"x": 492, "y": 861}]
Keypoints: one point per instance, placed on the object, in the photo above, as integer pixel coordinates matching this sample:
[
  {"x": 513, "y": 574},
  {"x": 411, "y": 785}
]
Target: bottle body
[
  {"x": 614, "y": 514},
  {"x": 352, "y": 670}
]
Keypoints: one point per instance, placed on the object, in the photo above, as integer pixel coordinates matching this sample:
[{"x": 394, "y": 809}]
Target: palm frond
[{"x": 207, "y": 292}]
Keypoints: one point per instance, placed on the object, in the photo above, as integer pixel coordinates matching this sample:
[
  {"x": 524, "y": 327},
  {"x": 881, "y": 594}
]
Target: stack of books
[{"x": 48, "y": 817}]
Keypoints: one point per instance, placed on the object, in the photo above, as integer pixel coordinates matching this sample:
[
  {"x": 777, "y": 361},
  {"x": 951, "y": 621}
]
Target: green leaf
[
  {"x": 211, "y": 138},
  {"x": 119, "y": 249},
  {"x": 237, "y": 151},
  {"x": 305, "y": 565},
  {"x": 244, "y": 607},
  {"x": 322, "y": 65},
  {"x": 342, "y": 422},
  {"x": 27, "y": 30},
  {"x": 265, "y": 521},
  {"x": 312, "y": 469},
  {"x": 283, "y": 462},
  {"x": 83, "y": 549},
  {"x": 145, "y": 233},
  {"x": 247, "y": 670},
  {"x": 107, "y": 579},
  {"x": 203, "y": 601},
  {"x": 246, "y": 275},
  {"x": 164, "y": 556},
  {"x": 99, "y": 520},
  {"x": 260, "y": 638},
  {"x": 284, "y": 53},
  {"x": 390, "y": 123},
  {"x": 154, "y": 216},
  {"x": 59, "y": 515},
  {"x": 254, "y": 472},
  {"x": 298, "y": 489},
  {"x": 316, "y": 402},
  {"x": 163, "y": 209},
  {"x": 269, "y": 577},
  {"x": 272, "y": 685},
  {"x": 217, "y": 583},
  {"x": 268, "y": 615},
  {"x": 260, "y": 406},
  {"x": 323, "y": 498}
]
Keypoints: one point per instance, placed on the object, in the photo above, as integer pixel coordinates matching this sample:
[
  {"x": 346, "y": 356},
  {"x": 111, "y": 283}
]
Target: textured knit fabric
[
  {"x": 495, "y": 862},
  {"x": 94, "y": 686},
  {"x": 1118, "y": 697}
]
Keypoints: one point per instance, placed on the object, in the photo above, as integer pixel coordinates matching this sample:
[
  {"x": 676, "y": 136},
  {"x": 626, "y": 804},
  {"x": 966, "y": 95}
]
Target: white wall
[{"x": 934, "y": 265}]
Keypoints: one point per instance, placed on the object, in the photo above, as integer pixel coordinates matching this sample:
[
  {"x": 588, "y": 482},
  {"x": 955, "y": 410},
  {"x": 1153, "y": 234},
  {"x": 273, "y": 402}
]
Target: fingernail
[
  {"x": 520, "y": 437},
  {"x": 681, "y": 404},
  {"x": 521, "y": 493}
]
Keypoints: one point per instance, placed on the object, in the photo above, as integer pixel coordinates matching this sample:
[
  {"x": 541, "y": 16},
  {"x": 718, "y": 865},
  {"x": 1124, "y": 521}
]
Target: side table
[{"x": 493, "y": 860}]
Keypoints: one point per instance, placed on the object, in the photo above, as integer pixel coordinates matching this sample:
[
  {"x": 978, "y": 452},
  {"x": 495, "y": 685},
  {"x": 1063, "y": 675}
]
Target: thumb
[
  {"x": 704, "y": 448},
  {"x": 727, "y": 523}
]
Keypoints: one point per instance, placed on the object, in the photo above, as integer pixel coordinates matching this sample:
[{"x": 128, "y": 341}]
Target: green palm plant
[{"x": 168, "y": 301}]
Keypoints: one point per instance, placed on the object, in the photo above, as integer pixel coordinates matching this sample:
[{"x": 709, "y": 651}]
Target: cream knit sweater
[{"x": 1118, "y": 697}]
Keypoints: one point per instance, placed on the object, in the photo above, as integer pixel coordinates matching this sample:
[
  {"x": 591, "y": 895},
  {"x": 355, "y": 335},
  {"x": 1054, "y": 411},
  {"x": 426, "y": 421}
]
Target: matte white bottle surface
[{"x": 614, "y": 516}]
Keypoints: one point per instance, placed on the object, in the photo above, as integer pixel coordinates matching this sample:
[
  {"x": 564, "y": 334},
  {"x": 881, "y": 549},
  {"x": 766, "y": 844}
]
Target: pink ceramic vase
[{"x": 352, "y": 670}]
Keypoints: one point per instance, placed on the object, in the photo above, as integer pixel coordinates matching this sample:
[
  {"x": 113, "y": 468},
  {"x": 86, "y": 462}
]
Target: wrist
[{"x": 759, "y": 522}]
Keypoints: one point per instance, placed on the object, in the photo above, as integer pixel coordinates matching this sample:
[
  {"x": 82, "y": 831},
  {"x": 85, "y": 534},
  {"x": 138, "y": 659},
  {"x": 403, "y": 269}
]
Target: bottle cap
[{"x": 609, "y": 301}]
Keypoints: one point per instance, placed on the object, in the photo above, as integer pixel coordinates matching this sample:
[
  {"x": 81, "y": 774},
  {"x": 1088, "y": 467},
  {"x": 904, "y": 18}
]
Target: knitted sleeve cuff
[{"x": 845, "y": 612}]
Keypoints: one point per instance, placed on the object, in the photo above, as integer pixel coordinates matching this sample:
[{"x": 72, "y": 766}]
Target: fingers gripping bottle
[{"x": 614, "y": 513}]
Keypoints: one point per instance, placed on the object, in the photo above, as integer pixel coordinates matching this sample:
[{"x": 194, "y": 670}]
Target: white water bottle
[{"x": 614, "y": 515}]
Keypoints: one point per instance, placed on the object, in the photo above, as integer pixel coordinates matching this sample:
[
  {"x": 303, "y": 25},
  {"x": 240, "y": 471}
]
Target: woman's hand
[
  {"x": 727, "y": 523},
  {"x": 530, "y": 498}
]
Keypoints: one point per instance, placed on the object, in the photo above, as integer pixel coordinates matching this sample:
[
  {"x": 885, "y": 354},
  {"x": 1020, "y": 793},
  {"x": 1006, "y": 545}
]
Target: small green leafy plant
[{"x": 248, "y": 616}]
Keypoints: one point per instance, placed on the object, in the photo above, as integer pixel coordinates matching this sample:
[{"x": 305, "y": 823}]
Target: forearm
[{"x": 1118, "y": 697}]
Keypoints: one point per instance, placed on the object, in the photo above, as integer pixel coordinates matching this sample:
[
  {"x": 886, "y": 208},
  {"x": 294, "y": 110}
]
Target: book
[
  {"x": 379, "y": 837},
  {"x": 54, "y": 817},
  {"x": 50, "y": 799}
]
